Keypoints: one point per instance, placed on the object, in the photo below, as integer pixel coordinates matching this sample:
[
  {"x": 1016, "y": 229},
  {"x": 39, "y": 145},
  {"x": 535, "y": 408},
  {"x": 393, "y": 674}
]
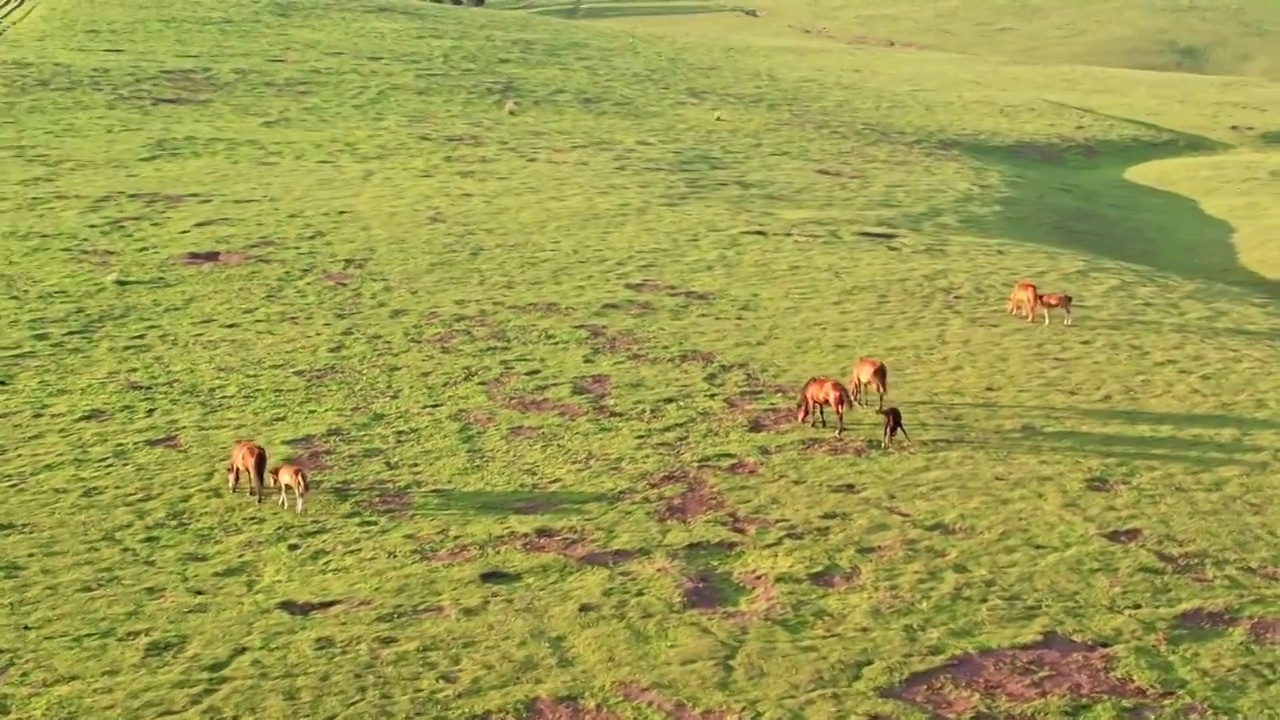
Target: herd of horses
[
  {"x": 817, "y": 394},
  {"x": 820, "y": 392}
]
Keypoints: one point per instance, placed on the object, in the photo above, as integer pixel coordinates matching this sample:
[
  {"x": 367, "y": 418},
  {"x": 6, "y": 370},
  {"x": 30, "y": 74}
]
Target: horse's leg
[
  {"x": 235, "y": 480},
  {"x": 1067, "y": 311},
  {"x": 822, "y": 413},
  {"x": 839, "y": 410},
  {"x": 284, "y": 495},
  {"x": 298, "y": 495}
]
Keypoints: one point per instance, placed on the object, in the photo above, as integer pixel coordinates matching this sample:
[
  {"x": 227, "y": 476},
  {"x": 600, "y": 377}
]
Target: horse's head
[{"x": 273, "y": 477}]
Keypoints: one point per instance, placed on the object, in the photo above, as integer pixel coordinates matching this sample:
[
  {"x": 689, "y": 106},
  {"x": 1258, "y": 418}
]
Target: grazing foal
[
  {"x": 290, "y": 476},
  {"x": 892, "y": 424},
  {"x": 871, "y": 372},
  {"x": 249, "y": 458},
  {"x": 819, "y": 393},
  {"x": 1023, "y": 299},
  {"x": 1055, "y": 300}
]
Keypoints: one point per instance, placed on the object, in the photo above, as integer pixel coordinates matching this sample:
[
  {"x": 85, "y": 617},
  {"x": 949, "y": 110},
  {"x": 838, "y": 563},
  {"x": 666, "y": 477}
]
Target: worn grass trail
[{"x": 544, "y": 367}]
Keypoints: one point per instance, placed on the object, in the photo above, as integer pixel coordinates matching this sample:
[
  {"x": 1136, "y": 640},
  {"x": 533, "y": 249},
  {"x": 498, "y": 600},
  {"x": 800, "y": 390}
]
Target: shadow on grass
[
  {"x": 389, "y": 500},
  {"x": 605, "y": 11},
  {"x": 1076, "y": 197}
]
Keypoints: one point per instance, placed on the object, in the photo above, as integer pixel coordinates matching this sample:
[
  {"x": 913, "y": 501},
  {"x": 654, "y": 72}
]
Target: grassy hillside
[{"x": 543, "y": 366}]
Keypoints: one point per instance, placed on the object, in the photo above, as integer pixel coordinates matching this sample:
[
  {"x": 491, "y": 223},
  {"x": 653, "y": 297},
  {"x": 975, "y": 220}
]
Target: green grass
[{"x": 368, "y": 138}]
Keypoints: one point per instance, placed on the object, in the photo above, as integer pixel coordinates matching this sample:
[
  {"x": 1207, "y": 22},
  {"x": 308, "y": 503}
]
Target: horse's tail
[
  {"x": 304, "y": 483},
  {"x": 259, "y": 469}
]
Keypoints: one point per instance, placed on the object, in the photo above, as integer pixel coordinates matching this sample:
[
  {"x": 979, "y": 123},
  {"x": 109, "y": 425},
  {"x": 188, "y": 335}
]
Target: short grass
[{"x": 415, "y": 253}]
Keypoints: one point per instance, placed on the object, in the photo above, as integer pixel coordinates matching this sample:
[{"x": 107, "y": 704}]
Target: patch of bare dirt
[
  {"x": 609, "y": 342},
  {"x": 478, "y": 419},
  {"x": 390, "y": 503},
  {"x": 168, "y": 442},
  {"x": 538, "y": 404},
  {"x": 312, "y": 454},
  {"x": 836, "y": 446},
  {"x": 595, "y": 386},
  {"x": 339, "y": 278},
  {"x": 658, "y": 287},
  {"x": 1054, "y": 667},
  {"x": 1268, "y": 573},
  {"x": 1205, "y": 619},
  {"x": 836, "y": 578},
  {"x": 566, "y": 709},
  {"x": 743, "y": 466},
  {"x": 553, "y": 542},
  {"x": 701, "y": 593},
  {"x": 1127, "y": 536},
  {"x": 303, "y": 608},
  {"x": 771, "y": 420},
  {"x": 748, "y": 524},
  {"x": 212, "y": 257},
  {"x": 707, "y": 547},
  {"x": 522, "y": 432},
  {"x": 697, "y": 499},
  {"x": 673, "y": 709},
  {"x": 1265, "y": 630},
  {"x": 629, "y": 307}
]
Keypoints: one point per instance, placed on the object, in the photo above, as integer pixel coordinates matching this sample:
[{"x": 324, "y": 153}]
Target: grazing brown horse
[
  {"x": 820, "y": 393},
  {"x": 1055, "y": 300},
  {"x": 290, "y": 476},
  {"x": 892, "y": 424},
  {"x": 250, "y": 458},
  {"x": 1023, "y": 299},
  {"x": 869, "y": 371}
]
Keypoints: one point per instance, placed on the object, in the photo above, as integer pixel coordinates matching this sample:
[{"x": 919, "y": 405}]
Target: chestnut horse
[
  {"x": 820, "y": 393},
  {"x": 249, "y": 458},
  {"x": 290, "y": 476},
  {"x": 872, "y": 372},
  {"x": 1023, "y": 299},
  {"x": 1055, "y": 300}
]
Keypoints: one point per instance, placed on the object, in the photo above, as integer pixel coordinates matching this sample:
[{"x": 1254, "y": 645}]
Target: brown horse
[
  {"x": 1023, "y": 299},
  {"x": 290, "y": 476},
  {"x": 250, "y": 458},
  {"x": 874, "y": 373},
  {"x": 892, "y": 424},
  {"x": 820, "y": 393},
  {"x": 1055, "y": 300}
]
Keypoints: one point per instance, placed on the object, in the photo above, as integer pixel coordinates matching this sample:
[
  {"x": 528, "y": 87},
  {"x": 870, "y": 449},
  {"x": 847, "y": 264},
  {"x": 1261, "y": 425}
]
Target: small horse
[
  {"x": 819, "y": 393},
  {"x": 249, "y": 458},
  {"x": 1055, "y": 300},
  {"x": 290, "y": 476},
  {"x": 870, "y": 372},
  {"x": 1023, "y": 299},
  {"x": 892, "y": 424}
]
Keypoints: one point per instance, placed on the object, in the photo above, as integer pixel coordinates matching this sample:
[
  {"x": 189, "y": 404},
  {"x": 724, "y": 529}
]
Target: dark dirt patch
[
  {"x": 630, "y": 307},
  {"x": 701, "y": 593},
  {"x": 478, "y": 419},
  {"x": 1127, "y": 536},
  {"x": 212, "y": 257},
  {"x": 339, "y": 278},
  {"x": 1054, "y": 667},
  {"x": 696, "y": 500},
  {"x": 657, "y": 287},
  {"x": 836, "y": 578},
  {"x": 498, "y": 577},
  {"x": 609, "y": 342},
  {"x": 391, "y": 503},
  {"x": 1268, "y": 573},
  {"x": 673, "y": 709},
  {"x": 1205, "y": 619},
  {"x": 522, "y": 432},
  {"x": 553, "y": 542},
  {"x": 847, "y": 489},
  {"x": 539, "y": 404},
  {"x": 771, "y": 420},
  {"x": 596, "y": 386},
  {"x": 566, "y": 709},
  {"x": 302, "y": 608},
  {"x": 743, "y": 466},
  {"x": 748, "y": 524},
  {"x": 1101, "y": 484},
  {"x": 835, "y": 446},
  {"x": 671, "y": 477},
  {"x": 168, "y": 442},
  {"x": 545, "y": 308},
  {"x": 1265, "y": 630},
  {"x": 312, "y": 454},
  {"x": 878, "y": 234}
]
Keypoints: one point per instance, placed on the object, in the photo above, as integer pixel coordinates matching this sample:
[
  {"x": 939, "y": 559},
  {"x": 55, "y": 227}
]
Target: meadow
[{"x": 543, "y": 365}]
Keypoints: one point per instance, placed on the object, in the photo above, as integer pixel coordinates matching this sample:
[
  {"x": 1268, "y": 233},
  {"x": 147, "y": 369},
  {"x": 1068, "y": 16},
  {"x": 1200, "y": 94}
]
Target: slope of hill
[{"x": 544, "y": 367}]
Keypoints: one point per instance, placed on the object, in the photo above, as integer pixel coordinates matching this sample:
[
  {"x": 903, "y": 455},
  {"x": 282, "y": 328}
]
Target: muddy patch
[
  {"x": 1056, "y": 667},
  {"x": 549, "y": 541},
  {"x": 1264, "y": 630},
  {"x": 657, "y": 287},
  {"x": 168, "y": 442},
  {"x": 303, "y": 608},
  {"x": 771, "y": 420},
  {"x": 609, "y": 342},
  {"x": 839, "y": 447},
  {"x": 702, "y": 593},
  {"x": 478, "y": 419},
  {"x": 212, "y": 257},
  {"x": 390, "y": 503},
  {"x": 748, "y": 524},
  {"x": 594, "y": 386},
  {"x": 1127, "y": 536},
  {"x": 674, "y": 709},
  {"x": 696, "y": 500},
  {"x": 836, "y": 578},
  {"x": 311, "y": 454},
  {"x": 743, "y": 466},
  {"x": 566, "y": 709},
  {"x": 522, "y": 432},
  {"x": 1204, "y": 619},
  {"x": 342, "y": 279}
]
